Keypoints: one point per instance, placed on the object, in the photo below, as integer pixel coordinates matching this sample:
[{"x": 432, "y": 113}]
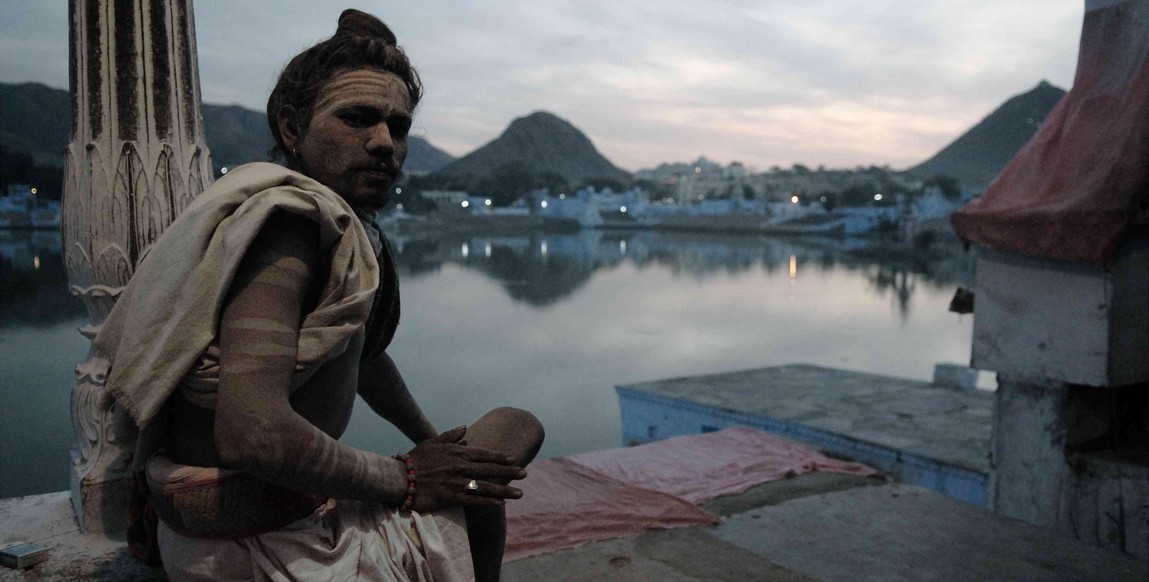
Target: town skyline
[{"x": 829, "y": 83}]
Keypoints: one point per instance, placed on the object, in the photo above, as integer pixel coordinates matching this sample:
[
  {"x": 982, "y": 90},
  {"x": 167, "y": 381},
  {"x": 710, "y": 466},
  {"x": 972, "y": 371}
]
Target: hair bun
[{"x": 353, "y": 23}]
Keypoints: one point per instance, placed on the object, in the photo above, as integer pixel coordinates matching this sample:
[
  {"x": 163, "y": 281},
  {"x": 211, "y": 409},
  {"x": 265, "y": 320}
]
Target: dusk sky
[{"x": 765, "y": 82}]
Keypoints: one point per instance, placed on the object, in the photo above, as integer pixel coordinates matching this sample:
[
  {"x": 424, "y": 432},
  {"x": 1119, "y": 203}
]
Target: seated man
[{"x": 248, "y": 330}]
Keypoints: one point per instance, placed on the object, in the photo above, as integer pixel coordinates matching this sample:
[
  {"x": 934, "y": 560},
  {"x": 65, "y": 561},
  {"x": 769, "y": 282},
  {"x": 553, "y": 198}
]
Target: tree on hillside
[
  {"x": 949, "y": 186},
  {"x": 656, "y": 190},
  {"x": 829, "y": 199},
  {"x": 857, "y": 195},
  {"x": 604, "y": 182},
  {"x": 507, "y": 183},
  {"x": 554, "y": 182},
  {"x": 412, "y": 200},
  {"x": 438, "y": 182},
  {"x": 20, "y": 168},
  {"x": 409, "y": 193},
  {"x": 891, "y": 188}
]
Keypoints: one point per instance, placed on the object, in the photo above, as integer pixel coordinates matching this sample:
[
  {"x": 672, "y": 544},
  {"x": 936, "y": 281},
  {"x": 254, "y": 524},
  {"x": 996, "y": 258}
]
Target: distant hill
[
  {"x": 982, "y": 152},
  {"x": 235, "y": 135},
  {"x": 36, "y": 119},
  {"x": 544, "y": 142},
  {"x": 424, "y": 157}
]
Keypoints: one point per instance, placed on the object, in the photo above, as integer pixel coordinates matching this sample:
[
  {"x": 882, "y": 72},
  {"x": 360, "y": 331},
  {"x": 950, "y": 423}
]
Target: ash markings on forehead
[{"x": 364, "y": 86}]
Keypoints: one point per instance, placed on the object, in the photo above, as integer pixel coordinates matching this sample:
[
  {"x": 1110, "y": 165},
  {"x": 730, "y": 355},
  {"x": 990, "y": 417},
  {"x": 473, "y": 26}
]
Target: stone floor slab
[
  {"x": 677, "y": 555},
  {"x": 47, "y": 520},
  {"x": 901, "y": 532}
]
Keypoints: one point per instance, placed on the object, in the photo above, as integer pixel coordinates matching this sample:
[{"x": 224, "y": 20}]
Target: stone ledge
[{"x": 48, "y": 520}]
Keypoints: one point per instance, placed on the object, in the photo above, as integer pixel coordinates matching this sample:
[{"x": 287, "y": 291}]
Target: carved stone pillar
[{"x": 136, "y": 159}]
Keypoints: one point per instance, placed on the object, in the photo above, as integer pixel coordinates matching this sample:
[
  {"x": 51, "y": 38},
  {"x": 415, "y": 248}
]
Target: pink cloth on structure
[
  {"x": 700, "y": 467},
  {"x": 565, "y": 505}
]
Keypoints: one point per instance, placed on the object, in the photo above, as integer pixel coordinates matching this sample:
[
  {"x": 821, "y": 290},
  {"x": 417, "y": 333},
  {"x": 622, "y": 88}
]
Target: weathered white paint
[
  {"x": 1029, "y": 471},
  {"x": 1043, "y": 320},
  {"x": 1100, "y": 497},
  {"x": 1108, "y": 505}
]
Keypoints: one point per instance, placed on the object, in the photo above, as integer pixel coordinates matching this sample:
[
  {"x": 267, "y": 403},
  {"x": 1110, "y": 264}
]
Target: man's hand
[{"x": 444, "y": 465}]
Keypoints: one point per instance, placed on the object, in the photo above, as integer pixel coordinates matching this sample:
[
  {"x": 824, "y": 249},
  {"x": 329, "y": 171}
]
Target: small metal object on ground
[{"x": 23, "y": 555}]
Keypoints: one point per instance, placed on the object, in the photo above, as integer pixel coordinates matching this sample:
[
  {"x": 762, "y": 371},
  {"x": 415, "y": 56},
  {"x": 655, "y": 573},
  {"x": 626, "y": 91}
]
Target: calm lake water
[{"x": 549, "y": 323}]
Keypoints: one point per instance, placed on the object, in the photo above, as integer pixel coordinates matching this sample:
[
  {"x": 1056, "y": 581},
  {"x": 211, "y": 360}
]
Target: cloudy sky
[{"x": 765, "y": 82}]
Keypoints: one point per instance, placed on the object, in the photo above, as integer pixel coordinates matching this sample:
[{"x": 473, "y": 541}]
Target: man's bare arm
[
  {"x": 257, "y": 431},
  {"x": 382, "y": 387}
]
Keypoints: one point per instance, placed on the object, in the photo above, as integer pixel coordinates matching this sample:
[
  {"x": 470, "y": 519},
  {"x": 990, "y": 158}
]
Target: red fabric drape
[{"x": 1076, "y": 187}]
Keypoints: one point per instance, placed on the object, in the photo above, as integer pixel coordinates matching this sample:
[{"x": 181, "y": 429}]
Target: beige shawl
[{"x": 167, "y": 318}]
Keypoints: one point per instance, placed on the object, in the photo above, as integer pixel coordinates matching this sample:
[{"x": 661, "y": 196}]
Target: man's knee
[
  {"x": 515, "y": 427},
  {"x": 526, "y": 424}
]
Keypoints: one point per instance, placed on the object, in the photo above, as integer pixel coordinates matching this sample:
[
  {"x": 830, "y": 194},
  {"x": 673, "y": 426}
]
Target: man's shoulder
[
  {"x": 259, "y": 189},
  {"x": 258, "y": 176}
]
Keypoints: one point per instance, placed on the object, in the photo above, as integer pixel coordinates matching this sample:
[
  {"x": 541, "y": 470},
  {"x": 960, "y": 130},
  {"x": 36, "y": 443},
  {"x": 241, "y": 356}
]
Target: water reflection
[
  {"x": 534, "y": 269},
  {"x": 39, "y": 347},
  {"x": 33, "y": 282},
  {"x": 549, "y": 323},
  {"x": 540, "y": 270}
]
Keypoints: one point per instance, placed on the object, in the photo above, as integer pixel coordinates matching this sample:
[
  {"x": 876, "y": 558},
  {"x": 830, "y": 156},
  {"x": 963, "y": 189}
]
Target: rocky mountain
[
  {"x": 978, "y": 155},
  {"x": 36, "y": 119},
  {"x": 542, "y": 141}
]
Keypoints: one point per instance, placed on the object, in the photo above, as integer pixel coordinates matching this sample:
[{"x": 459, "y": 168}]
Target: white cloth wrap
[{"x": 358, "y": 541}]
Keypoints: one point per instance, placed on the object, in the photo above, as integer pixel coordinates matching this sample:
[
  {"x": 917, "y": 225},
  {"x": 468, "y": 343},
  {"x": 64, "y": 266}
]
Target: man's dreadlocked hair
[{"x": 360, "y": 42}]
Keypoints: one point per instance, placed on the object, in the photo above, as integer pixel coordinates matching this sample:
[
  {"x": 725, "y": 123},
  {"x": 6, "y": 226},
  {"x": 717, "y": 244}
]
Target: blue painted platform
[{"x": 923, "y": 434}]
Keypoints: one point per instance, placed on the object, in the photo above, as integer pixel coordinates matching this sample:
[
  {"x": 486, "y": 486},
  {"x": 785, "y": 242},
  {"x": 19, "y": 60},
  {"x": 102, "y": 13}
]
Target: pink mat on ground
[
  {"x": 565, "y": 505},
  {"x": 701, "y": 467},
  {"x": 571, "y": 501}
]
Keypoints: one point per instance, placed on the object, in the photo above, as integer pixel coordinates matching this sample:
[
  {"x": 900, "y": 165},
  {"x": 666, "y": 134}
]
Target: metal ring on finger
[{"x": 472, "y": 486}]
